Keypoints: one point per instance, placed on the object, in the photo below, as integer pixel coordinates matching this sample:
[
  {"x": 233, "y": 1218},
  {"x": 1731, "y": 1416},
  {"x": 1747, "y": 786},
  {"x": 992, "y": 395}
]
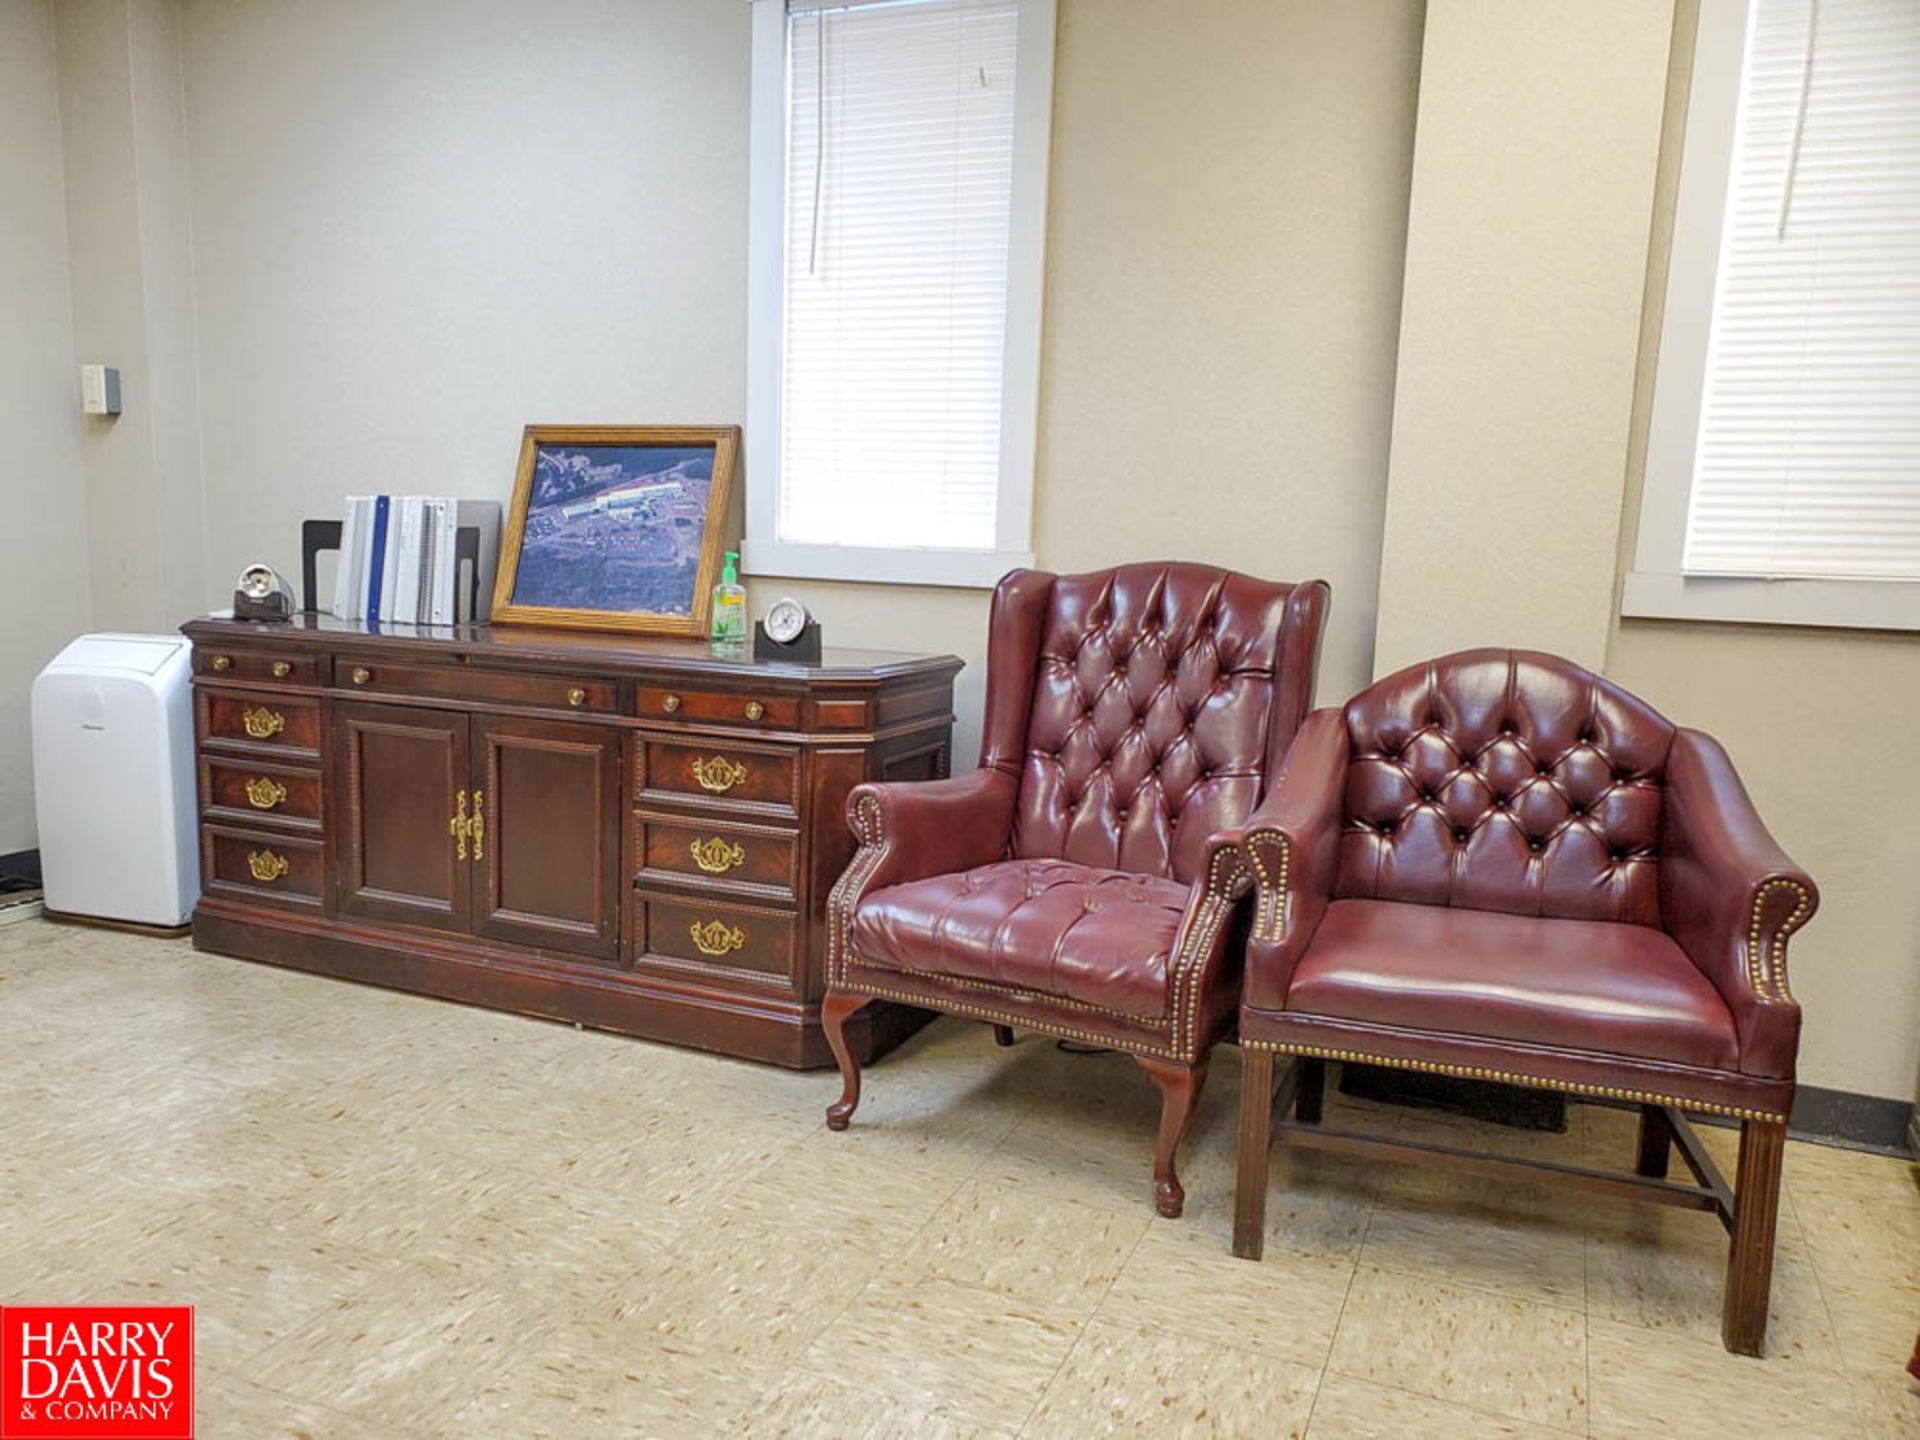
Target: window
[
  {"x": 898, "y": 199},
  {"x": 1783, "y": 463}
]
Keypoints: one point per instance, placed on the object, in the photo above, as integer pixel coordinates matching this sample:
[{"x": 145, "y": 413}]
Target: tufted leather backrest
[
  {"x": 1505, "y": 780},
  {"x": 1157, "y": 700}
]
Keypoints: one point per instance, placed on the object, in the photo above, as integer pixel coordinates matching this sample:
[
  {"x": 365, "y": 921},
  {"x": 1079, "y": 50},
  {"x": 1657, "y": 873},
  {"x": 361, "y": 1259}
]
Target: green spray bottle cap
[{"x": 730, "y": 575}]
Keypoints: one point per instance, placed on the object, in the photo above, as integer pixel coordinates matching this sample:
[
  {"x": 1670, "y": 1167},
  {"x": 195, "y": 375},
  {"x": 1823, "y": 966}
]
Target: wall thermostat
[{"x": 99, "y": 390}]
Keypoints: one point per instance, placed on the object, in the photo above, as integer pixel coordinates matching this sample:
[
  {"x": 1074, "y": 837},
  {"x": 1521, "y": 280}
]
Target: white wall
[{"x": 43, "y": 549}]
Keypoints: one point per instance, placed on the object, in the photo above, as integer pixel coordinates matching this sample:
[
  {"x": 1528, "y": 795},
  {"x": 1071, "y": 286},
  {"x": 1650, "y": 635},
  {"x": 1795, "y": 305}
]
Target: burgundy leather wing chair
[
  {"x": 1498, "y": 865},
  {"x": 1078, "y": 883}
]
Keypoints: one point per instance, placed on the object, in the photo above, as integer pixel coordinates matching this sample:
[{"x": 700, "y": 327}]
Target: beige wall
[
  {"x": 1526, "y": 257},
  {"x": 1811, "y": 717},
  {"x": 390, "y": 288},
  {"x": 124, "y": 140},
  {"x": 43, "y": 548}
]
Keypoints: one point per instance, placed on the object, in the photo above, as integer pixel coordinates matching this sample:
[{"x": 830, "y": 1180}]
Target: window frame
[
  {"x": 1656, "y": 585},
  {"x": 762, "y": 550}
]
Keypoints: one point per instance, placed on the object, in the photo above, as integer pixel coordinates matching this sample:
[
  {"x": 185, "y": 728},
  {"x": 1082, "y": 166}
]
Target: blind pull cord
[
  {"x": 819, "y": 136},
  {"x": 1799, "y": 121}
]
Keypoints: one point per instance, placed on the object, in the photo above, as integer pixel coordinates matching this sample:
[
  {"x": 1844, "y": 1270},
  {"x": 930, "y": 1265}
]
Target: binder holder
[{"x": 319, "y": 535}]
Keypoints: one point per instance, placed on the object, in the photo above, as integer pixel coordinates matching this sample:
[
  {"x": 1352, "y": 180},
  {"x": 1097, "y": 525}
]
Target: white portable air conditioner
[{"x": 113, "y": 784}]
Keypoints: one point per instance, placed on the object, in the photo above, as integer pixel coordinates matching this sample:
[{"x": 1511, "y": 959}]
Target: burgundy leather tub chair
[
  {"x": 1498, "y": 865},
  {"x": 1078, "y": 882}
]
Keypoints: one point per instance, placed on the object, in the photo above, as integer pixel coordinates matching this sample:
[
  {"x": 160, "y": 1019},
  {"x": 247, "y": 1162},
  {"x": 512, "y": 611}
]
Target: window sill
[
  {"x": 1840, "y": 604},
  {"x": 970, "y": 569}
]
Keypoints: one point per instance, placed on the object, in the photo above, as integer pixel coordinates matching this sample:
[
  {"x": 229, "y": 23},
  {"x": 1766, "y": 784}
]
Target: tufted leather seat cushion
[
  {"x": 1576, "y": 985},
  {"x": 1152, "y": 715},
  {"x": 1095, "y": 937},
  {"x": 1505, "y": 780}
]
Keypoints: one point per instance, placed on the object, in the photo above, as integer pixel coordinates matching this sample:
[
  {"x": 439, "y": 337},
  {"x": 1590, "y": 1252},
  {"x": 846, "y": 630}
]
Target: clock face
[{"x": 786, "y": 619}]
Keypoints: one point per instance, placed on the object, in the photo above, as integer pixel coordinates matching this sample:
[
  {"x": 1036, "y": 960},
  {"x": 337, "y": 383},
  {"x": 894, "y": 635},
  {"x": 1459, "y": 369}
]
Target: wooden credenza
[{"x": 629, "y": 833}]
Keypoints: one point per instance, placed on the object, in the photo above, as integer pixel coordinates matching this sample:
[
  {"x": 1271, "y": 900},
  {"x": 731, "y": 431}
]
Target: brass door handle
[
  {"x": 718, "y": 774},
  {"x": 361, "y": 675},
  {"x": 262, "y": 723},
  {"x": 221, "y": 662},
  {"x": 715, "y": 937},
  {"x": 266, "y": 867},
  {"x": 576, "y": 697},
  {"x": 716, "y": 856},
  {"x": 460, "y": 826},
  {"x": 264, "y": 794},
  {"x": 281, "y": 669},
  {"x": 755, "y": 710},
  {"x": 479, "y": 824}
]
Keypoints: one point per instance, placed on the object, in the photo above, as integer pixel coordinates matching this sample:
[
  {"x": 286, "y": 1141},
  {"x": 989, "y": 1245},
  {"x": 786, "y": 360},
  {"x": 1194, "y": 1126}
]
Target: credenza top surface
[{"x": 531, "y": 645}]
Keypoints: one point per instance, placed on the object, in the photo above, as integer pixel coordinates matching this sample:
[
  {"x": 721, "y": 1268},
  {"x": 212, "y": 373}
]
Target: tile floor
[{"x": 402, "y": 1218}]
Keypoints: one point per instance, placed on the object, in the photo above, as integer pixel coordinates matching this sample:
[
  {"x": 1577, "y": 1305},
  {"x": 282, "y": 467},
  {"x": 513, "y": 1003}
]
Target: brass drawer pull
[
  {"x": 755, "y": 710},
  {"x": 716, "y": 856},
  {"x": 281, "y": 669},
  {"x": 264, "y": 794},
  {"x": 460, "y": 826},
  {"x": 479, "y": 824},
  {"x": 576, "y": 697},
  {"x": 266, "y": 867},
  {"x": 718, "y": 774},
  {"x": 221, "y": 662},
  {"x": 670, "y": 704},
  {"x": 361, "y": 675},
  {"x": 262, "y": 723},
  {"x": 716, "y": 937}
]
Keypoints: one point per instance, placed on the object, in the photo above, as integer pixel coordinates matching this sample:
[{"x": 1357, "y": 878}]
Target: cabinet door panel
[
  {"x": 550, "y": 853},
  {"x": 400, "y": 776}
]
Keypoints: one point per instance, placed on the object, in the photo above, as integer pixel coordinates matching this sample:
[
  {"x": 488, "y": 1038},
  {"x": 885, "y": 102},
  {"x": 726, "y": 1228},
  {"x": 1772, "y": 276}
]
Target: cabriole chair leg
[
  {"x": 1756, "y": 1201},
  {"x": 1179, "y": 1093},
  {"x": 835, "y": 1011},
  {"x": 1250, "y": 1165}
]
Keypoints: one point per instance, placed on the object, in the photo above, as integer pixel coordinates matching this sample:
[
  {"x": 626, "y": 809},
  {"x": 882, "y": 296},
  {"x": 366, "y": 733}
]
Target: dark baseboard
[
  {"x": 21, "y": 865},
  {"x": 1862, "y": 1122}
]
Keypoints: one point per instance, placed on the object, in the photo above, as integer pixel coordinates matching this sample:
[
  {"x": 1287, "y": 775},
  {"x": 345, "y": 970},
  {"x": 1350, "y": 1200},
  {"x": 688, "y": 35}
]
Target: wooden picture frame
[{"x": 558, "y": 565}]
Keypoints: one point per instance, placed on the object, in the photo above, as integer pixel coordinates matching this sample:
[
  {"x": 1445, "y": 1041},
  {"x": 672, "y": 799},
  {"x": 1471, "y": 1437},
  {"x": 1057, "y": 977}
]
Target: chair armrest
[
  {"x": 910, "y": 830},
  {"x": 1292, "y": 845},
  {"x": 1730, "y": 896}
]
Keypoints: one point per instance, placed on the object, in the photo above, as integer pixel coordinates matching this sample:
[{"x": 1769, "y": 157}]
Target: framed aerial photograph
[{"x": 616, "y": 527}]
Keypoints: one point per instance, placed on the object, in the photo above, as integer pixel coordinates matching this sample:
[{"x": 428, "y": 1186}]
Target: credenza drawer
[
  {"x": 234, "y": 718},
  {"x": 729, "y": 936},
  {"x": 718, "y": 855},
  {"x": 716, "y": 707},
  {"x": 276, "y": 868},
  {"x": 259, "y": 665},
  {"x": 255, "y": 790},
  {"x": 750, "y": 779},
  {"x": 457, "y": 682}
]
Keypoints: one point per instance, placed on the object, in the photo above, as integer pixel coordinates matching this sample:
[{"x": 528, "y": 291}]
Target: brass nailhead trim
[
  {"x": 1767, "y": 965},
  {"x": 1270, "y": 913},
  {"x": 1508, "y": 1077},
  {"x": 1025, "y": 1022}
]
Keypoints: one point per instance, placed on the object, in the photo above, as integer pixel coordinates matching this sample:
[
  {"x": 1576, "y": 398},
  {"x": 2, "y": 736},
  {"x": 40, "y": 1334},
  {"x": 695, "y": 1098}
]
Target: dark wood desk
[{"x": 630, "y": 833}]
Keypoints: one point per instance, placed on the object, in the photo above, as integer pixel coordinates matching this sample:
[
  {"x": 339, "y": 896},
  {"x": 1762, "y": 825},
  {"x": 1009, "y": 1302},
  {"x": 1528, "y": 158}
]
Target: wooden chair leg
[
  {"x": 1311, "y": 1095},
  {"x": 1003, "y": 1035},
  {"x": 1656, "y": 1142},
  {"x": 1256, "y": 1138},
  {"x": 1756, "y": 1201},
  {"x": 835, "y": 1011},
  {"x": 1179, "y": 1093}
]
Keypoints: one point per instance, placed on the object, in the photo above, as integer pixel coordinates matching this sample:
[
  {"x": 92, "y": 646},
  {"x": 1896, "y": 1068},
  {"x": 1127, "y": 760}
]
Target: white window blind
[
  {"x": 1808, "y": 454},
  {"x": 899, "y": 175}
]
